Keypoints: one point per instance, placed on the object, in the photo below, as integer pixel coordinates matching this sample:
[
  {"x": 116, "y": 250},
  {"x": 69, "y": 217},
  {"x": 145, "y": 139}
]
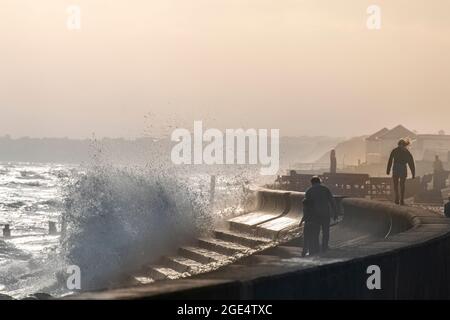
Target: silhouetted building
[
  {"x": 380, "y": 144},
  {"x": 423, "y": 146},
  {"x": 428, "y": 146}
]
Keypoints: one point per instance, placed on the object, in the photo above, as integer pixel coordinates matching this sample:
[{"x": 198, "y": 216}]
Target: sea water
[{"x": 111, "y": 221}]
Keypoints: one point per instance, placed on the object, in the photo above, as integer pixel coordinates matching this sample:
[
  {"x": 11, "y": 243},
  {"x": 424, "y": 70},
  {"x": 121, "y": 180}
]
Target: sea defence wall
[
  {"x": 410, "y": 246},
  {"x": 277, "y": 212}
]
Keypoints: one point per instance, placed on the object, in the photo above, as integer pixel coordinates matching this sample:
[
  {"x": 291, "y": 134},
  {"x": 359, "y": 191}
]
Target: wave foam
[{"x": 118, "y": 220}]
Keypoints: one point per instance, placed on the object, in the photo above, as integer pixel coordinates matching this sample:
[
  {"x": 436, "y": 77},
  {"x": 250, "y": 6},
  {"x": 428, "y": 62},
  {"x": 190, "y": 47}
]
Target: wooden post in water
[
  {"x": 6, "y": 231},
  {"x": 52, "y": 227},
  {"x": 212, "y": 190}
]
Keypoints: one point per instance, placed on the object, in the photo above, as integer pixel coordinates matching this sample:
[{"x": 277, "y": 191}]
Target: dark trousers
[
  {"x": 311, "y": 238},
  {"x": 324, "y": 223},
  {"x": 399, "y": 198}
]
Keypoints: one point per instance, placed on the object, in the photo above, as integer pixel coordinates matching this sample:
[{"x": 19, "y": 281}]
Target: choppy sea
[{"x": 110, "y": 221}]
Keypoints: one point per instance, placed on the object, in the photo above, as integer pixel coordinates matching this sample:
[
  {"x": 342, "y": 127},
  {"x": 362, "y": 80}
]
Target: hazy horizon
[{"x": 308, "y": 68}]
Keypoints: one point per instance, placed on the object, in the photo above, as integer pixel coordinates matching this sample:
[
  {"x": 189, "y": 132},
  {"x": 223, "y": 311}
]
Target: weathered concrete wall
[{"x": 414, "y": 260}]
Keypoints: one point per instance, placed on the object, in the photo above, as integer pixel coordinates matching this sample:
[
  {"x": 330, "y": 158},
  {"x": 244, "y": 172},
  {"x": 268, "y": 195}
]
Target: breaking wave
[
  {"x": 31, "y": 175},
  {"x": 117, "y": 220}
]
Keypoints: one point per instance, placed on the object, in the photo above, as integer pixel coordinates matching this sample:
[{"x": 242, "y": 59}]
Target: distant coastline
[{"x": 66, "y": 150}]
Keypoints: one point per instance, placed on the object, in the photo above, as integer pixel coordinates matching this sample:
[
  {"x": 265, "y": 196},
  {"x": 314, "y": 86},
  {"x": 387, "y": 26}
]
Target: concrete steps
[
  {"x": 201, "y": 255},
  {"x": 163, "y": 272},
  {"x": 221, "y": 246},
  {"x": 182, "y": 264},
  {"x": 143, "y": 280},
  {"x": 239, "y": 238},
  {"x": 245, "y": 235}
]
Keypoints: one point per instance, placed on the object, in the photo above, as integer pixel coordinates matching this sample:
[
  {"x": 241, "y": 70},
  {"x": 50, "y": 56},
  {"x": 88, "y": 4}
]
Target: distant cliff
[{"x": 348, "y": 152}]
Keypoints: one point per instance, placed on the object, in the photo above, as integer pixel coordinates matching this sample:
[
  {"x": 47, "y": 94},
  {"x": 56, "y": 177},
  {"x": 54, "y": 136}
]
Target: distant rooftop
[
  {"x": 378, "y": 134},
  {"x": 395, "y": 133}
]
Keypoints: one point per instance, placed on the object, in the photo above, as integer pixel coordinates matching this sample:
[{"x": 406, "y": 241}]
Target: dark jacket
[
  {"x": 308, "y": 210},
  {"x": 400, "y": 157},
  {"x": 322, "y": 200}
]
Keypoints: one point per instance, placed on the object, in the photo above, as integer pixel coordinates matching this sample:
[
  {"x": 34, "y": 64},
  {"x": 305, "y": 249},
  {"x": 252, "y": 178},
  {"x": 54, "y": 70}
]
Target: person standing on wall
[
  {"x": 333, "y": 162},
  {"x": 400, "y": 157},
  {"x": 447, "y": 208}
]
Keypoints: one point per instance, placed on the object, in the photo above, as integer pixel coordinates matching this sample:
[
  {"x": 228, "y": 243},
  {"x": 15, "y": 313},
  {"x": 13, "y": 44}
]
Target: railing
[{"x": 348, "y": 184}]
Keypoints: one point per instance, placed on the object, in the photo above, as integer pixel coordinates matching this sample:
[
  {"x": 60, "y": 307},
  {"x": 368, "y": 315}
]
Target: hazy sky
[{"x": 307, "y": 67}]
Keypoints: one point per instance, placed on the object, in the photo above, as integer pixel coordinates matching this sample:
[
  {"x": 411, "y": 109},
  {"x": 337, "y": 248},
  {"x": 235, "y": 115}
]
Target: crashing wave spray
[{"x": 117, "y": 220}]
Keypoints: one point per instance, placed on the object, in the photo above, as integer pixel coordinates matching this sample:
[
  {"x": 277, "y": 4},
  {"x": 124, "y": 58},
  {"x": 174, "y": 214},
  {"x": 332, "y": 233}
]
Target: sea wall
[
  {"x": 412, "y": 252},
  {"x": 414, "y": 259}
]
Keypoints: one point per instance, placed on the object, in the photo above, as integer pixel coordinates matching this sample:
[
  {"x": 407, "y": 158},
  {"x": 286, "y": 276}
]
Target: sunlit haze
[{"x": 140, "y": 67}]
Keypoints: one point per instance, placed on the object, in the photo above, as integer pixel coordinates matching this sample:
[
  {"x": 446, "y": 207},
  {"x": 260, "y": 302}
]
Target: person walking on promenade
[
  {"x": 323, "y": 207},
  {"x": 447, "y": 208},
  {"x": 399, "y": 158}
]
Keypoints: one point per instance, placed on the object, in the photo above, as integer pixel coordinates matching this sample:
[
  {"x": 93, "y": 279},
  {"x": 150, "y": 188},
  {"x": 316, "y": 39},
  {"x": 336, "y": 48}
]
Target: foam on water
[{"x": 29, "y": 198}]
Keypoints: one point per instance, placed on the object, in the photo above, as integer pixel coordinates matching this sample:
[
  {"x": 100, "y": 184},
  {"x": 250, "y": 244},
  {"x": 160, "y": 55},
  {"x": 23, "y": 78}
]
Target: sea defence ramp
[{"x": 258, "y": 256}]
